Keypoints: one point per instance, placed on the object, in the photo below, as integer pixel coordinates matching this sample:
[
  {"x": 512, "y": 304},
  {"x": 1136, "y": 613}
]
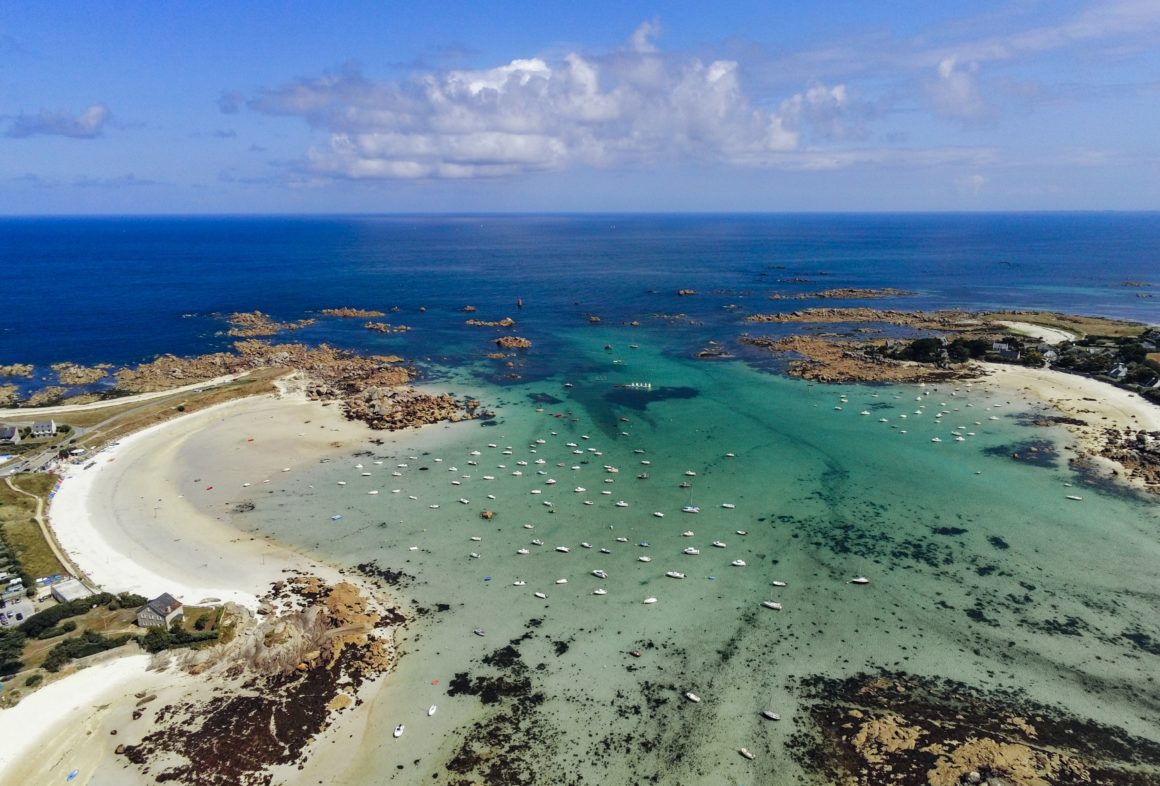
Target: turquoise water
[{"x": 980, "y": 568}]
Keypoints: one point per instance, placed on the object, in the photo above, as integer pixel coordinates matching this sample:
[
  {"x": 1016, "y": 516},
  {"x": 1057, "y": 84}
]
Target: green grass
[{"x": 21, "y": 532}]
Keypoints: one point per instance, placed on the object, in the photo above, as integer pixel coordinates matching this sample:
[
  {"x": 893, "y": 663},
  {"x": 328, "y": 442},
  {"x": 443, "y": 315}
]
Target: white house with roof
[{"x": 43, "y": 428}]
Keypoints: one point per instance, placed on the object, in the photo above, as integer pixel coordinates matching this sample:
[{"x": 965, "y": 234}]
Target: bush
[
  {"x": 158, "y": 638},
  {"x": 130, "y": 600},
  {"x": 33, "y": 680},
  {"x": 41, "y": 621},
  {"x": 88, "y": 643}
]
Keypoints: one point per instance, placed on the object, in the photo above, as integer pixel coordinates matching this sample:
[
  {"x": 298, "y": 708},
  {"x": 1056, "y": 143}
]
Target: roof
[
  {"x": 71, "y": 589},
  {"x": 164, "y": 604}
]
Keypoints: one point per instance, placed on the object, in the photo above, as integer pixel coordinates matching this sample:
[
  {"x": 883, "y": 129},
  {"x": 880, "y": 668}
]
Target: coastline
[{"x": 128, "y": 525}]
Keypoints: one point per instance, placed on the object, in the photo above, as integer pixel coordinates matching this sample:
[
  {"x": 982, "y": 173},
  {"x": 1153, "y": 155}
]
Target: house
[
  {"x": 159, "y": 612},
  {"x": 43, "y": 428},
  {"x": 70, "y": 589},
  {"x": 9, "y": 435}
]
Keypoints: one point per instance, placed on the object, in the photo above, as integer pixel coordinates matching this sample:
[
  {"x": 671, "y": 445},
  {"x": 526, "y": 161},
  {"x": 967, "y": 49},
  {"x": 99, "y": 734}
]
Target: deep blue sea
[{"x": 123, "y": 290}]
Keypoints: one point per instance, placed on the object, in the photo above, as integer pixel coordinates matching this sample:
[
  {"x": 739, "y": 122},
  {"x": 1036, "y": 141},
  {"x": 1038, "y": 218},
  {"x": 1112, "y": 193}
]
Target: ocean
[{"x": 981, "y": 570}]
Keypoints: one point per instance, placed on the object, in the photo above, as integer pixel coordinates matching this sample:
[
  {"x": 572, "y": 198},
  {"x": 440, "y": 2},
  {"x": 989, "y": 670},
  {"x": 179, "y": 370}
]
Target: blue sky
[{"x": 255, "y": 107}]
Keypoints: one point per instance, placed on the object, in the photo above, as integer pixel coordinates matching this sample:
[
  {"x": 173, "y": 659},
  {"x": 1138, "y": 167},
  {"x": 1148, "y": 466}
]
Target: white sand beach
[{"x": 1047, "y": 335}]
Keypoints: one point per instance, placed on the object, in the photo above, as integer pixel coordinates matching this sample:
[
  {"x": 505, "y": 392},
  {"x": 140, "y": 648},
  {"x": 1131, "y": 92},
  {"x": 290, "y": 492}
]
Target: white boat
[
  {"x": 540, "y": 595},
  {"x": 600, "y": 574},
  {"x": 718, "y": 544},
  {"x": 771, "y": 604},
  {"x": 342, "y": 482},
  {"x": 479, "y": 632},
  {"x": 622, "y": 540},
  {"x": 519, "y": 583},
  {"x": 650, "y": 600},
  {"x": 690, "y": 509},
  {"x": 728, "y": 505},
  {"x": 745, "y": 752},
  {"x": 529, "y": 526},
  {"x": 621, "y": 504},
  {"x": 579, "y": 489},
  {"x": 433, "y": 507},
  {"x": 373, "y": 491},
  {"x": 606, "y": 551},
  {"x": 859, "y": 580},
  {"x": 658, "y": 514},
  {"x": 431, "y": 710},
  {"x": 537, "y": 542},
  {"x": 742, "y": 532},
  {"x": 585, "y": 544},
  {"x": 1075, "y": 498},
  {"x": 688, "y": 533},
  {"x": 673, "y": 574},
  {"x": 935, "y": 439},
  {"x": 691, "y": 551},
  {"x": 600, "y": 591},
  {"x": 770, "y": 715},
  {"x": 336, "y": 517},
  {"x": 399, "y": 730},
  {"x": 473, "y": 555},
  {"x": 778, "y": 583},
  {"x": 563, "y": 549},
  {"x": 644, "y": 558},
  {"x": 690, "y": 473},
  {"x": 561, "y": 581},
  {"x": 475, "y": 538},
  {"x": 738, "y": 563},
  {"x": 693, "y": 697}
]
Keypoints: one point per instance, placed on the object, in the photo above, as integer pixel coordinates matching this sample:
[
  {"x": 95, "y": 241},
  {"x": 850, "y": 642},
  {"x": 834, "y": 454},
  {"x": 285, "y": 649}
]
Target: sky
[{"x": 602, "y": 106}]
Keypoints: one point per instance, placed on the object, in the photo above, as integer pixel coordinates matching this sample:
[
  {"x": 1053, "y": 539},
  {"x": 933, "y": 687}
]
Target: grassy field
[
  {"x": 1084, "y": 326},
  {"x": 19, "y": 525}
]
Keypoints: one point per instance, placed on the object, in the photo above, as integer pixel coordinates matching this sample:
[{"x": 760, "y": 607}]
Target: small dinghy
[{"x": 399, "y": 730}]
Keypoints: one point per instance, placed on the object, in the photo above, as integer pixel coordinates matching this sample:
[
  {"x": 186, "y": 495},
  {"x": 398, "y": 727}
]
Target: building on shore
[
  {"x": 159, "y": 612},
  {"x": 43, "y": 428},
  {"x": 70, "y": 589},
  {"x": 9, "y": 435}
]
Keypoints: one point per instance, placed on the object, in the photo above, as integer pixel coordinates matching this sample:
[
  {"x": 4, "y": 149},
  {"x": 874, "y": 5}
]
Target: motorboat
[
  {"x": 600, "y": 574},
  {"x": 642, "y": 476},
  {"x": 519, "y": 583},
  {"x": 690, "y": 509},
  {"x": 479, "y": 632},
  {"x": 718, "y": 544},
  {"x": 649, "y": 601},
  {"x": 690, "y": 473},
  {"x": 561, "y": 581},
  {"x": 728, "y": 505},
  {"x": 742, "y": 532},
  {"x": 585, "y": 545},
  {"x": 644, "y": 558},
  {"x": 693, "y": 697},
  {"x": 622, "y": 540},
  {"x": 540, "y": 595},
  {"x": 685, "y": 485},
  {"x": 600, "y": 591},
  {"x": 738, "y": 563},
  {"x": 621, "y": 504},
  {"x": 777, "y": 583},
  {"x": 476, "y": 538},
  {"x": 673, "y": 574},
  {"x": 688, "y": 533},
  {"x": 606, "y": 551},
  {"x": 431, "y": 710},
  {"x": 770, "y": 715},
  {"x": 563, "y": 549},
  {"x": 771, "y": 604},
  {"x": 745, "y": 752},
  {"x": 691, "y": 551},
  {"x": 859, "y": 580},
  {"x": 537, "y": 542},
  {"x": 1075, "y": 498},
  {"x": 658, "y": 514},
  {"x": 399, "y": 730}
]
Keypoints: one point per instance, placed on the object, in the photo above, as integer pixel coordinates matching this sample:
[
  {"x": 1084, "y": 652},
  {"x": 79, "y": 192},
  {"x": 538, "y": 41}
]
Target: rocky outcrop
[
  {"x": 938, "y": 320},
  {"x": 505, "y": 322},
  {"x": 1138, "y": 452},
  {"x": 7, "y": 395},
  {"x": 252, "y": 324},
  {"x": 383, "y": 327},
  {"x": 513, "y": 342},
  {"x": 825, "y": 360},
  {"x": 686, "y": 292},
  {"x": 395, "y": 409},
  {"x": 74, "y": 374},
  {"x": 16, "y": 370},
  {"x": 848, "y": 293},
  {"x": 359, "y": 313}
]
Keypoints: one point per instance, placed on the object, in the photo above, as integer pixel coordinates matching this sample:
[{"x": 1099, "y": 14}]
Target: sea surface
[{"x": 981, "y": 569}]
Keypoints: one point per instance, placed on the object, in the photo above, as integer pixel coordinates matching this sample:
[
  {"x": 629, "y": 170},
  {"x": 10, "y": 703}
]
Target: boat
[
  {"x": 522, "y": 551},
  {"x": 635, "y": 653},
  {"x": 537, "y": 542},
  {"x": 399, "y": 730},
  {"x": 431, "y": 710},
  {"x": 605, "y": 551},
  {"x": 1075, "y": 498},
  {"x": 579, "y": 489},
  {"x": 644, "y": 558},
  {"x": 859, "y": 580},
  {"x": 738, "y": 563},
  {"x": 473, "y": 555},
  {"x": 621, "y": 504},
  {"x": 650, "y": 600},
  {"x": 673, "y": 574},
  {"x": 658, "y": 514},
  {"x": 600, "y": 574},
  {"x": 690, "y": 473},
  {"x": 728, "y": 505},
  {"x": 777, "y": 583},
  {"x": 479, "y": 632},
  {"x": 600, "y": 591},
  {"x": 561, "y": 581},
  {"x": 540, "y": 595},
  {"x": 690, "y": 509},
  {"x": 476, "y": 538},
  {"x": 691, "y": 551},
  {"x": 745, "y": 752},
  {"x": 693, "y": 697},
  {"x": 336, "y": 517},
  {"x": 585, "y": 544},
  {"x": 742, "y": 532},
  {"x": 771, "y": 604},
  {"x": 622, "y": 540},
  {"x": 342, "y": 482},
  {"x": 642, "y": 476},
  {"x": 519, "y": 583},
  {"x": 718, "y": 544},
  {"x": 688, "y": 533},
  {"x": 770, "y": 715},
  {"x": 563, "y": 549},
  {"x": 935, "y": 439}
]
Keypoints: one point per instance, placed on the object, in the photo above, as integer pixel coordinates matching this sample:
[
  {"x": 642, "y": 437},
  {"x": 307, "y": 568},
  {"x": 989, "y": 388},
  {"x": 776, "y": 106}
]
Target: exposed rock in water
[
  {"x": 383, "y": 327},
  {"x": 16, "y": 370},
  {"x": 398, "y": 408},
  {"x": 826, "y": 360},
  {"x": 513, "y": 342},
  {"x": 919, "y": 731},
  {"x": 284, "y": 679},
  {"x": 74, "y": 374},
  {"x": 357, "y": 313},
  {"x": 251, "y": 324},
  {"x": 505, "y": 322}
]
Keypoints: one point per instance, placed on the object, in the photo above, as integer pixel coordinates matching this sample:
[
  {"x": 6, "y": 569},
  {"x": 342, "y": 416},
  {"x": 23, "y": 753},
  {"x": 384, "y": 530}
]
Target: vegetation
[
  {"x": 45, "y": 620},
  {"x": 11, "y": 651},
  {"x": 158, "y": 638},
  {"x": 20, "y": 533},
  {"x": 88, "y": 643},
  {"x": 33, "y": 680}
]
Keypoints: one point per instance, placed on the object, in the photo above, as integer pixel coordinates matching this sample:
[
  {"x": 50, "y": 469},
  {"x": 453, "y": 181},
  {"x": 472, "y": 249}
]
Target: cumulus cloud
[
  {"x": 88, "y": 124},
  {"x": 631, "y": 107},
  {"x": 955, "y": 94}
]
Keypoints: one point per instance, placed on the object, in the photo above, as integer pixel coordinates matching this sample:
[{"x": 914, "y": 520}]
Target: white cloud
[
  {"x": 87, "y": 125},
  {"x": 955, "y": 92},
  {"x": 631, "y": 107}
]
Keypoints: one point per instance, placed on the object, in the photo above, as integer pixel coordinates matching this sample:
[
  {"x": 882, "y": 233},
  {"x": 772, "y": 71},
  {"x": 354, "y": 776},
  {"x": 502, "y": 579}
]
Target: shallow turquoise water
[{"x": 980, "y": 568}]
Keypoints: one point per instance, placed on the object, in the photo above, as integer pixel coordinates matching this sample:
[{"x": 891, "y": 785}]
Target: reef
[
  {"x": 75, "y": 374},
  {"x": 890, "y": 728},
  {"x": 826, "y": 360},
  {"x": 1137, "y": 451},
  {"x": 844, "y": 294},
  {"x": 251, "y": 324},
  {"x": 277, "y": 685},
  {"x": 383, "y": 327},
  {"x": 16, "y": 370},
  {"x": 505, "y": 322},
  {"x": 358, "y": 313},
  {"x": 513, "y": 342}
]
